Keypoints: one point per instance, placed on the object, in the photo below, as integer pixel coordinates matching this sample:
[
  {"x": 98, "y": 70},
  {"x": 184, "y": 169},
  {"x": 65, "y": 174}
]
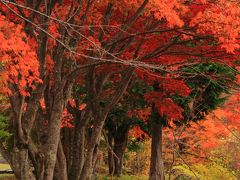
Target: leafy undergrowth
[
  {"x": 124, "y": 177},
  {"x": 203, "y": 172}
]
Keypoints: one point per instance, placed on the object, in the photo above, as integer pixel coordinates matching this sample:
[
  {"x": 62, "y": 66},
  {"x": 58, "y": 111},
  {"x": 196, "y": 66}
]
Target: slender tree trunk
[
  {"x": 88, "y": 165},
  {"x": 78, "y": 153},
  {"x": 120, "y": 145},
  {"x": 67, "y": 138},
  {"x": 157, "y": 166},
  {"x": 110, "y": 156},
  {"x": 60, "y": 172},
  {"x": 118, "y": 160},
  {"x": 79, "y": 142},
  {"x": 94, "y": 162}
]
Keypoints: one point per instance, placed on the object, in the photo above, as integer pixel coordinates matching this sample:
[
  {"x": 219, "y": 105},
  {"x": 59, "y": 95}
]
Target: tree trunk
[
  {"x": 67, "y": 143},
  {"x": 120, "y": 145},
  {"x": 100, "y": 117},
  {"x": 157, "y": 166},
  {"x": 94, "y": 162},
  {"x": 79, "y": 141},
  {"x": 54, "y": 136},
  {"x": 88, "y": 165},
  {"x": 60, "y": 172},
  {"x": 78, "y": 153},
  {"x": 110, "y": 156},
  {"x": 118, "y": 161},
  {"x": 21, "y": 164}
]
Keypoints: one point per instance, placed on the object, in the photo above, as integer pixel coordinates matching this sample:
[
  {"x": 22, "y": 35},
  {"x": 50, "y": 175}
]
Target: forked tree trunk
[
  {"x": 21, "y": 164},
  {"x": 120, "y": 145},
  {"x": 119, "y": 152},
  {"x": 87, "y": 169},
  {"x": 156, "y": 166},
  {"x": 79, "y": 142},
  {"x": 100, "y": 118},
  {"x": 60, "y": 172},
  {"x": 117, "y": 140}
]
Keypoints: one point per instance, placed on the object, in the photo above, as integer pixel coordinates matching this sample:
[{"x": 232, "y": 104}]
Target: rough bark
[
  {"x": 22, "y": 157},
  {"x": 94, "y": 162},
  {"x": 156, "y": 166},
  {"x": 117, "y": 140},
  {"x": 100, "y": 117},
  {"x": 21, "y": 165},
  {"x": 111, "y": 165},
  {"x": 118, "y": 162},
  {"x": 60, "y": 172},
  {"x": 67, "y": 142},
  {"x": 88, "y": 165},
  {"x": 54, "y": 136},
  {"x": 79, "y": 141},
  {"x": 120, "y": 145},
  {"x": 78, "y": 154}
]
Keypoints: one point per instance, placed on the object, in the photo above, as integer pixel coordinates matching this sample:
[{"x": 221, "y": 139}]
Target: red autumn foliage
[
  {"x": 18, "y": 61},
  {"x": 162, "y": 36}
]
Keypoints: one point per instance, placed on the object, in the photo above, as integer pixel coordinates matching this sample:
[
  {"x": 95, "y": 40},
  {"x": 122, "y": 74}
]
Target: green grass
[
  {"x": 7, "y": 177},
  {"x": 124, "y": 177}
]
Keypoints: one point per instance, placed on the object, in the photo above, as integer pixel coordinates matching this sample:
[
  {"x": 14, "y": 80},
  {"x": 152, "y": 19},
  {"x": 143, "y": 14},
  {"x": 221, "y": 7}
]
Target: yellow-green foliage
[
  {"x": 211, "y": 171},
  {"x": 138, "y": 163},
  {"x": 125, "y": 177},
  {"x": 3, "y": 125},
  {"x": 6, "y": 176},
  {"x": 4, "y": 166}
]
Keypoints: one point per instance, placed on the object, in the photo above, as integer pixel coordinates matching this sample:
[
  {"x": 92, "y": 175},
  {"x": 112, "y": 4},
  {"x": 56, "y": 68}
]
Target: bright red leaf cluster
[{"x": 18, "y": 61}]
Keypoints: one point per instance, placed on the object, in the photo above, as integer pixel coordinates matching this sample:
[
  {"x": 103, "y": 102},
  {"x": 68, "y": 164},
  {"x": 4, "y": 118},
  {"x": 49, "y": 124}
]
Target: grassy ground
[
  {"x": 6, "y": 176},
  {"x": 125, "y": 177},
  {"x": 4, "y": 166}
]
